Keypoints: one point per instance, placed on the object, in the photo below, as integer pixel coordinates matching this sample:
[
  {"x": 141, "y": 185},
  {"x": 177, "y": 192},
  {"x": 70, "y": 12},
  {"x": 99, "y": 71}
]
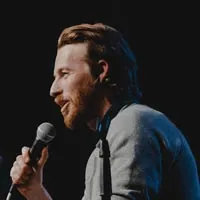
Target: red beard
[{"x": 81, "y": 106}]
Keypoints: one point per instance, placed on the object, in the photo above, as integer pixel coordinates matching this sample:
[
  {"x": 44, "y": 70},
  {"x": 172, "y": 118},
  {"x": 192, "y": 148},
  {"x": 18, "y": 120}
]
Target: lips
[
  {"x": 62, "y": 103},
  {"x": 63, "y": 107}
]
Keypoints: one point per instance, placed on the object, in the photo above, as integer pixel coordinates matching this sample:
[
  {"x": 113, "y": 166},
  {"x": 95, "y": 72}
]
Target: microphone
[{"x": 46, "y": 132}]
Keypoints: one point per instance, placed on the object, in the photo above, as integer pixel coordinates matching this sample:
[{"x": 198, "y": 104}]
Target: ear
[{"x": 104, "y": 70}]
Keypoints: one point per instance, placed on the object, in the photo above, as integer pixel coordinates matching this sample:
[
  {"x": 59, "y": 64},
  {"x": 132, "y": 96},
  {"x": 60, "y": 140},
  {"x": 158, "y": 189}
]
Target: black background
[{"x": 165, "y": 39}]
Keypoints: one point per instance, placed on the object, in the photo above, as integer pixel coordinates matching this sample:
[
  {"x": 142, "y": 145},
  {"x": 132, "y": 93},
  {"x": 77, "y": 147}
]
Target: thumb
[{"x": 44, "y": 156}]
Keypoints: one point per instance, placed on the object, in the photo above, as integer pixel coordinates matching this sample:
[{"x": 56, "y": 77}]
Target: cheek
[
  {"x": 71, "y": 88},
  {"x": 74, "y": 85},
  {"x": 66, "y": 89}
]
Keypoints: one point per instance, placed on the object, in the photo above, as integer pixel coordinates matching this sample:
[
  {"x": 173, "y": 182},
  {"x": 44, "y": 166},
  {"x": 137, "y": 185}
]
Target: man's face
[{"x": 73, "y": 87}]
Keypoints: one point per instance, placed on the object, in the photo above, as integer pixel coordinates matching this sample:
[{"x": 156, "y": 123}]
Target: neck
[{"x": 103, "y": 108}]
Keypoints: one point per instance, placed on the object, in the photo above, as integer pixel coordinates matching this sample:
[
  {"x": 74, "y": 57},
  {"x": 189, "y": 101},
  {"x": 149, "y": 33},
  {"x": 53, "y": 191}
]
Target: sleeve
[{"x": 135, "y": 158}]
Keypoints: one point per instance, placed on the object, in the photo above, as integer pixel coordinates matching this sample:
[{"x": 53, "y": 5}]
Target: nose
[{"x": 55, "y": 88}]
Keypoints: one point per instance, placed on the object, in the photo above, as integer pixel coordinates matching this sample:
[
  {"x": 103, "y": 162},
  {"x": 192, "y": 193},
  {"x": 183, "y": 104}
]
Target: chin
[
  {"x": 76, "y": 116},
  {"x": 68, "y": 122},
  {"x": 72, "y": 122}
]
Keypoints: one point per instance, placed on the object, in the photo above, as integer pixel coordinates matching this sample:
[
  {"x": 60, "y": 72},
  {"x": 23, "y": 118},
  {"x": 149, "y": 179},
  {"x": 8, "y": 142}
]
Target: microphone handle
[{"x": 35, "y": 152}]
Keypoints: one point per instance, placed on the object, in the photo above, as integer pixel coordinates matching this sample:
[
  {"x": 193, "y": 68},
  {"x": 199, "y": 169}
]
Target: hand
[{"x": 27, "y": 179}]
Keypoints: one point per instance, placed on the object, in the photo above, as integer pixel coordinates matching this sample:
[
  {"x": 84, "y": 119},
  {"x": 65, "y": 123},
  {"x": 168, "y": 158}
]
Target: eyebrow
[{"x": 60, "y": 69}]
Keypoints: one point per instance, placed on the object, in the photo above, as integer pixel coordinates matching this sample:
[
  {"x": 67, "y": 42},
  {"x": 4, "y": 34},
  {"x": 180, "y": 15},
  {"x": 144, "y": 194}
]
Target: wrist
[{"x": 39, "y": 193}]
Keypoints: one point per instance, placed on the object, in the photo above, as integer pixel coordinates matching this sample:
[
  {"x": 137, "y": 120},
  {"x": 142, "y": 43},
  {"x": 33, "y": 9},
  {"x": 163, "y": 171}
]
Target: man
[{"x": 140, "y": 152}]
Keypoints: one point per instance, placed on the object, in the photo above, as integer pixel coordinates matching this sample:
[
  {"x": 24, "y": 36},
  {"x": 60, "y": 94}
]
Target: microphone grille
[{"x": 46, "y": 132}]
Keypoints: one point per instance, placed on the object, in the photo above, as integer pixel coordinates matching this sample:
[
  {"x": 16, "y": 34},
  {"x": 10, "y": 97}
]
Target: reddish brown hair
[{"x": 105, "y": 42}]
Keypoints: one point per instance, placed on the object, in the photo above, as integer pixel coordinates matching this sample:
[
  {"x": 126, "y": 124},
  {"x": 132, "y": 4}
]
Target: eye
[{"x": 65, "y": 73}]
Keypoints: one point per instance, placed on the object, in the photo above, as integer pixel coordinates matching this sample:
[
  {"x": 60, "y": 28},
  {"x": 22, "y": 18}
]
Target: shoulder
[
  {"x": 133, "y": 121},
  {"x": 142, "y": 123},
  {"x": 138, "y": 113}
]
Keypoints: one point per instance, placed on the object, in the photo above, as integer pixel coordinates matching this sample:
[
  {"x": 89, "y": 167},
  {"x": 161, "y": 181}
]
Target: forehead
[{"x": 70, "y": 55}]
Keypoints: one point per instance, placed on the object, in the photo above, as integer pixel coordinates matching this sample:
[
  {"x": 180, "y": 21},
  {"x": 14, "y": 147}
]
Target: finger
[
  {"x": 13, "y": 174},
  {"x": 17, "y": 177},
  {"x": 15, "y": 168},
  {"x": 20, "y": 173},
  {"x": 44, "y": 157},
  {"x": 22, "y": 167},
  {"x": 25, "y": 179},
  {"x": 25, "y": 154}
]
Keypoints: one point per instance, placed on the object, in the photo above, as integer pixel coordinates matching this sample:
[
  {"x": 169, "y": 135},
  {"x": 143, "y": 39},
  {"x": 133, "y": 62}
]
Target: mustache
[{"x": 60, "y": 100}]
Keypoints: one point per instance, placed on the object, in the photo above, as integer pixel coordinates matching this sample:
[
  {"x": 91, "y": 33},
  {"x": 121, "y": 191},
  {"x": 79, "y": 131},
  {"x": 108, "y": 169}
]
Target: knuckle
[{"x": 19, "y": 157}]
